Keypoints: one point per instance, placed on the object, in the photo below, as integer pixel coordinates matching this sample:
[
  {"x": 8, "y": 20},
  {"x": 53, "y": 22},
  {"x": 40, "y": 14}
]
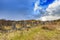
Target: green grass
[{"x": 35, "y": 33}]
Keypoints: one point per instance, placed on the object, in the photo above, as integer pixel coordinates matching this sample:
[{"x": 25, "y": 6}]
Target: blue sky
[{"x": 21, "y": 9}]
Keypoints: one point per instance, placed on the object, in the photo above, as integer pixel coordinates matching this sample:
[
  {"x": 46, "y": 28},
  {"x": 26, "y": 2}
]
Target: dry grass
[{"x": 34, "y": 33}]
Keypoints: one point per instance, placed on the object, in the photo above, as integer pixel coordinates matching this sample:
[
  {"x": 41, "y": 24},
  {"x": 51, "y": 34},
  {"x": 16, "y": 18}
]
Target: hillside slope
[
  {"x": 7, "y": 25},
  {"x": 30, "y": 30}
]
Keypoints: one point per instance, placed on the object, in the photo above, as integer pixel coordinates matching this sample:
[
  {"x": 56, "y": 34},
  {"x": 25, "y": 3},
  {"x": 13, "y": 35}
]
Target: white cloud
[
  {"x": 48, "y": 18},
  {"x": 53, "y": 12},
  {"x": 52, "y": 8},
  {"x": 36, "y": 5}
]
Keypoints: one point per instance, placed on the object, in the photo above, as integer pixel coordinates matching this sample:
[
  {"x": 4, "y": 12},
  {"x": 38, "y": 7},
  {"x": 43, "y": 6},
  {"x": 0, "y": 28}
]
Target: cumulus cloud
[
  {"x": 52, "y": 8},
  {"x": 48, "y": 18},
  {"x": 52, "y": 12}
]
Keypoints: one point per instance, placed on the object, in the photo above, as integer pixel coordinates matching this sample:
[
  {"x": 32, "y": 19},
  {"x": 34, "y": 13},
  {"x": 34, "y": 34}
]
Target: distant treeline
[{"x": 11, "y": 25}]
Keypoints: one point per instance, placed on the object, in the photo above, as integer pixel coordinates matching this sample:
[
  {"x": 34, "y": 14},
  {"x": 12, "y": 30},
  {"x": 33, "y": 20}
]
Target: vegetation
[
  {"x": 30, "y": 30},
  {"x": 35, "y": 33}
]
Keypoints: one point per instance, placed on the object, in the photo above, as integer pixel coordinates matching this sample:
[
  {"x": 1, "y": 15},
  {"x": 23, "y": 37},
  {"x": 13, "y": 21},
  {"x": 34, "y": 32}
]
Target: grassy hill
[{"x": 29, "y": 30}]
